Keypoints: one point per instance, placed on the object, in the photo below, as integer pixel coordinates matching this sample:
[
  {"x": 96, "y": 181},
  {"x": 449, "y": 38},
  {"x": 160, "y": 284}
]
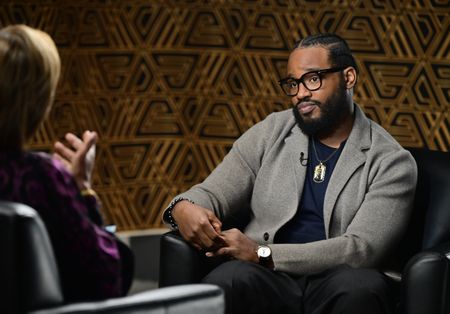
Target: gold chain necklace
[{"x": 321, "y": 169}]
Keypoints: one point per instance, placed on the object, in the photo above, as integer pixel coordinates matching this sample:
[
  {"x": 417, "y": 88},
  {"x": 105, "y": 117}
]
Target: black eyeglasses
[{"x": 311, "y": 80}]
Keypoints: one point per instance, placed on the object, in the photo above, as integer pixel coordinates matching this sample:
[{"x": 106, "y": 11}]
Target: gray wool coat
[{"x": 367, "y": 203}]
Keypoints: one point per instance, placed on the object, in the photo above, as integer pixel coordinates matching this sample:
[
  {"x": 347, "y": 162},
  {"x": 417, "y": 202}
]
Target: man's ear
[{"x": 350, "y": 77}]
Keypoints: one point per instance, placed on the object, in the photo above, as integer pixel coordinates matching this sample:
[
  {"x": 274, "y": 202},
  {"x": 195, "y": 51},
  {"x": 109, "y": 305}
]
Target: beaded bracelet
[{"x": 169, "y": 216}]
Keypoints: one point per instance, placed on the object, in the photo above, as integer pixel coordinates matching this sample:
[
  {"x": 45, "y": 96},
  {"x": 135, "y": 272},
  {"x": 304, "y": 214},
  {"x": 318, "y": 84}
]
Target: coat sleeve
[{"x": 228, "y": 189}]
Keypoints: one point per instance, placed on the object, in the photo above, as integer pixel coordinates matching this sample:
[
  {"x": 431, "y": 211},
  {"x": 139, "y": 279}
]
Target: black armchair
[
  {"x": 421, "y": 265},
  {"x": 425, "y": 280},
  {"x": 30, "y": 280}
]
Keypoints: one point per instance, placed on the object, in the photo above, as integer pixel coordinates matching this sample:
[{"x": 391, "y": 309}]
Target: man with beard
[{"x": 327, "y": 193}]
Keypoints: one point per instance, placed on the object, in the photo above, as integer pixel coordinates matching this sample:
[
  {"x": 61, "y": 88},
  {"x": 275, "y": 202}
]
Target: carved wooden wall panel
[{"x": 169, "y": 85}]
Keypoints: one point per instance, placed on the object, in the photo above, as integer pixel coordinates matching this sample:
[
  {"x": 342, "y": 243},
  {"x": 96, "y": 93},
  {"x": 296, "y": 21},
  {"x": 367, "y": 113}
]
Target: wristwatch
[{"x": 264, "y": 255}]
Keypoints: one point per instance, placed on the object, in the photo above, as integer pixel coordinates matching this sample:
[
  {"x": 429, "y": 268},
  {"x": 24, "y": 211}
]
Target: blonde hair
[{"x": 29, "y": 72}]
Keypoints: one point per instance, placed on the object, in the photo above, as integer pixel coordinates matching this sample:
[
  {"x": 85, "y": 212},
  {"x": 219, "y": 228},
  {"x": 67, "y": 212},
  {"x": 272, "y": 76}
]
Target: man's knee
[
  {"x": 233, "y": 274},
  {"x": 250, "y": 288},
  {"x": 359, "y": 289},
  {"x": 359, "y": 281}
]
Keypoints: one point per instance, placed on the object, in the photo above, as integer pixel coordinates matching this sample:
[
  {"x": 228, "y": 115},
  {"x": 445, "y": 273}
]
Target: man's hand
[
  {"x": 79, "y": 158},
  {"x": 198, "y": 225},
  {"x": 238, "y": 246}
]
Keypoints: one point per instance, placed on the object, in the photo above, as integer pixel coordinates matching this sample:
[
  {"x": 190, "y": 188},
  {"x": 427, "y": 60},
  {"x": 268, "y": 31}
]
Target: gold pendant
[{"x": 319, "y": 173}]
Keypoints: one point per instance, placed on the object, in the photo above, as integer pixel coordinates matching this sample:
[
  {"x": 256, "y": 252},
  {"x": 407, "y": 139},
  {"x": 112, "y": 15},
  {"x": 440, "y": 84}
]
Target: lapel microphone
[{"x": 303, "y": 160}]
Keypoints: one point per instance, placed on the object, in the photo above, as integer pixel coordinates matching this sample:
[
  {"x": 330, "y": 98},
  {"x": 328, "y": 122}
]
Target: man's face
[{"x": 319, "y": 111}]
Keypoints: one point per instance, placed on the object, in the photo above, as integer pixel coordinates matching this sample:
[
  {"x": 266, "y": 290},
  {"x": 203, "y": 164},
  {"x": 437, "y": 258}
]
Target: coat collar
[{"x": 296, "y": 144}]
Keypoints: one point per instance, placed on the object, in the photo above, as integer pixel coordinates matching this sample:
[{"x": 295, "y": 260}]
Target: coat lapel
[
  {"x": 296, "y": 143},
  {"x": 352, "y": 157}
]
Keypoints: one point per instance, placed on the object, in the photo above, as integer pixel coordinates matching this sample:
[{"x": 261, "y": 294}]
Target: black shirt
[{"x": 308, "y": 225}]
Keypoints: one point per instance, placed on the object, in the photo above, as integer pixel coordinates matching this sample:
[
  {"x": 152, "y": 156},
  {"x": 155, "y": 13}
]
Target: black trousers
[{"x": 251, "y": 288}]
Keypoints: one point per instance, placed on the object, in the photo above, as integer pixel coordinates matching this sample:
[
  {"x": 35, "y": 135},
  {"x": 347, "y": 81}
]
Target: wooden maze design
[{"x": 169, "y": 85}]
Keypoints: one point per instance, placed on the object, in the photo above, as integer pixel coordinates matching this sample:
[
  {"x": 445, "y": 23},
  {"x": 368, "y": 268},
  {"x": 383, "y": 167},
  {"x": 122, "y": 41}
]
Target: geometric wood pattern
[{"x": 169, "y": 85}]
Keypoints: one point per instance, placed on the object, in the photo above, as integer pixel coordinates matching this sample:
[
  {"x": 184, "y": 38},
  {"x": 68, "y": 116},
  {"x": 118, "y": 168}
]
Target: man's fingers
[
  {"x": 217, "y": 225},
  {"x": 206, "y": 239},
  {"x": 219, "y": 252},
  {"x": 205, "y": 236},
  {"x": 214, "y": 237},
  {"x": 215, "y": 222},
  {"x": 220, "y": 241}
]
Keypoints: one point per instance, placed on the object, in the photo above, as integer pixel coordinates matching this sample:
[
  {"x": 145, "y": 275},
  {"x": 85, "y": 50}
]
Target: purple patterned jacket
[{"x": 87, "y": 256}]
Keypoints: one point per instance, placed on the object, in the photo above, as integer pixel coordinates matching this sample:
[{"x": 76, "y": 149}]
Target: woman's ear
[{"x": 350, "y": 77}]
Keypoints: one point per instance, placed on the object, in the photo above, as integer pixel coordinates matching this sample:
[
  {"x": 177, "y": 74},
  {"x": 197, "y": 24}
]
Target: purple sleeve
[
  {"x": 88, "y": 256},
  {"x": 93, "y": 206}
]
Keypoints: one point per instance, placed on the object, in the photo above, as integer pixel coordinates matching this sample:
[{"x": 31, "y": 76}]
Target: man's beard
[{"x": 332, "y": 113}]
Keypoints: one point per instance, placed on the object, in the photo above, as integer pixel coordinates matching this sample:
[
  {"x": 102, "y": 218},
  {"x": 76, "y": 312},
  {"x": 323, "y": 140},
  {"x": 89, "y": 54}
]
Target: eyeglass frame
[{"x": 300, "y": 80}]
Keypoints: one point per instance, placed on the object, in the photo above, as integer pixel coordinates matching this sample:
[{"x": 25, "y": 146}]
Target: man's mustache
[{"x": 307, "y": 101}]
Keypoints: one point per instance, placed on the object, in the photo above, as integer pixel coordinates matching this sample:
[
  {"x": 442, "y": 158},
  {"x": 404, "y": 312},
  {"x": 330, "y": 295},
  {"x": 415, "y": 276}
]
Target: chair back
[
  {"x": 430, "y": 222},
  {"x": 28, "y": 269}
]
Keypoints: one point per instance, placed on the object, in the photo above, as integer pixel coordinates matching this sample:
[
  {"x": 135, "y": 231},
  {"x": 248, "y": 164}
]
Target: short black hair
[{"x": 340, "y": 53}]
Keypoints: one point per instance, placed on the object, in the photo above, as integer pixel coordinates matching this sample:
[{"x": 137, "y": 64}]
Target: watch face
[{"x": 264, "y": 251}]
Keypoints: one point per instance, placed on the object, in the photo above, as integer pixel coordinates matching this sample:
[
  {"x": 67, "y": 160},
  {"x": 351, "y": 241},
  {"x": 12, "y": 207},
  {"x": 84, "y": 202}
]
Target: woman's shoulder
[
  {"x": 51, "y": 175},
  {"x": 23, "y": 160},
  {"x": 33, "y": 178},
  {"x": 40, "y": 165}
]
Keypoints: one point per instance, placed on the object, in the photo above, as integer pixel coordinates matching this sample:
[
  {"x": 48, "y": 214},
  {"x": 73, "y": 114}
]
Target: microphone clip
[{"x": 303, "y": 160}]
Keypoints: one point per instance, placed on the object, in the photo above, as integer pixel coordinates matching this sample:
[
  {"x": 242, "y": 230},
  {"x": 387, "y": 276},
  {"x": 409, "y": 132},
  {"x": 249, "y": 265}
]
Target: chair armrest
[
  {"x": 426, "y": 282},
  {"x": 189, "y": 299},
  {"x": 180, "y": 263}
]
